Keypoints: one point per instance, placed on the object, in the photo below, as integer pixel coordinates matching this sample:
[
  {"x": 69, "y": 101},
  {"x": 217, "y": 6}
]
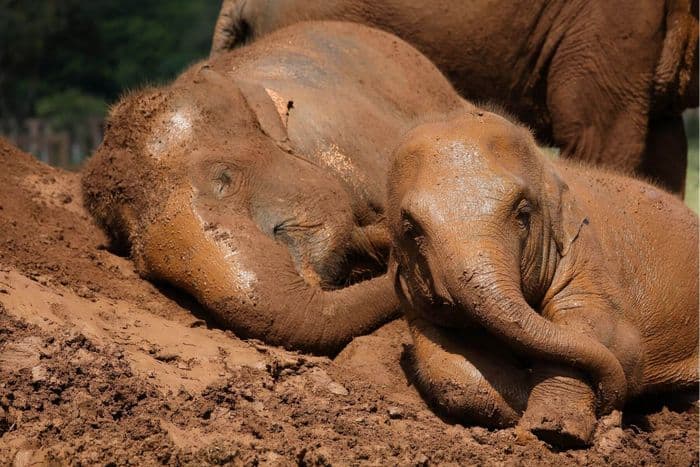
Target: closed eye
[
  {"x": 523, "y": 214},
  {"x": 222, "y": 182}
]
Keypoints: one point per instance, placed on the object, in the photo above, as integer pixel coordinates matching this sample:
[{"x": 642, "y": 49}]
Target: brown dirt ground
[{"x": 98, "y": 366}]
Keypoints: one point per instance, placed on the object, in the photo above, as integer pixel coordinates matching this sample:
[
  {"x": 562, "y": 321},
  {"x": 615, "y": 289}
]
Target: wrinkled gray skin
[
  {"x": 256, "y": 181},
  {"x": 605, "y": 81}
]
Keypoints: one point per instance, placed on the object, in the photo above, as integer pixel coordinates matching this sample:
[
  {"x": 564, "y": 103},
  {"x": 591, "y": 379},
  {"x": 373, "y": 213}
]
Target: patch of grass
[{"x": 691, "y": 181}]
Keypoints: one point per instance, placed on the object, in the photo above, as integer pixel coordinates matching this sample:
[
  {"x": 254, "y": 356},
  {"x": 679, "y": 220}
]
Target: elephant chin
[{"x": 436, "y": 308}]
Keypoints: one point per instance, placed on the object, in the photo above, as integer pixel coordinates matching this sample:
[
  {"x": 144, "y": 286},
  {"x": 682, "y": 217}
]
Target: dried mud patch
[{"x": 98, "y": 366}]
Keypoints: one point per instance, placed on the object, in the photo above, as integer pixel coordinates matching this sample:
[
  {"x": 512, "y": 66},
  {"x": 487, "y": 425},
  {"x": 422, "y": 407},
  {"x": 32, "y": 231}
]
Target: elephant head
[
  {"x": 480, "y": 222},
  {"x": 199, "y": 182}
]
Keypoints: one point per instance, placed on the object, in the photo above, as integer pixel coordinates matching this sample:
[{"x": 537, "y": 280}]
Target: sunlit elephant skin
[
  {"x": 585, "y": 281},
  {"x": 605, "y": 81},
  {"x": 256, "y": 181}
]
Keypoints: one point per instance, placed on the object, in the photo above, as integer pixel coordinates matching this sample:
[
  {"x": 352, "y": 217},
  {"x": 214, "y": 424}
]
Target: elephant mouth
[
  {"x": 340, "y": 267},
  {"x": 362, "y": 258},
  {"x": 420, "y": 296},
  {"x": 353, "y": 265},
  {"x": 448, "y": 316}
]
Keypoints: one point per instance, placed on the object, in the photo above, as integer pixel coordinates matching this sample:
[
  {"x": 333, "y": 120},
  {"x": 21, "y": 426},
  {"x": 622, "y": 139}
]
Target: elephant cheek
[{"x": 194, "y": 254}]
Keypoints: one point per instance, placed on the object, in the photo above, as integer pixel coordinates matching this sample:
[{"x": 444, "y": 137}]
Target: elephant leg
[
  {"x": 466, "y": 375},
  {"x": 666, "y": 155},
  {"x": 231, "y": 29},
  {"x": 561, "y": 406},
  {"x": 597, "y": 117},
  {"x": 609, "y": 134}
]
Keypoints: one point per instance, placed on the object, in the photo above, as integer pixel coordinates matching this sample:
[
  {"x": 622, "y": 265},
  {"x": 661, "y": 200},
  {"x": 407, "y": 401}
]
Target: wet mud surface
[{"x": 98, "y": 366}]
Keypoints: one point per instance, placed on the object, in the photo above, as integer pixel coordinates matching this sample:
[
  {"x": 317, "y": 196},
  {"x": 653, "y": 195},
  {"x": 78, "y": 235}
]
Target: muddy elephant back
[
  {"x": 652, "y": 242},
  {"x": 341, "y": 54}
]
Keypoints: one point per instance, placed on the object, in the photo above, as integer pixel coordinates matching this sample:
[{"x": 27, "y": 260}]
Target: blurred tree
[
  {"x": 65, "y": 108},
  {"x": 67, "y": 58}
]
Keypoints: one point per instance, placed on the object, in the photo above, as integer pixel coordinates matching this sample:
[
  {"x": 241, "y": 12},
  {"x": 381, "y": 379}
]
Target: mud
[{"x": 98, "y": 366}]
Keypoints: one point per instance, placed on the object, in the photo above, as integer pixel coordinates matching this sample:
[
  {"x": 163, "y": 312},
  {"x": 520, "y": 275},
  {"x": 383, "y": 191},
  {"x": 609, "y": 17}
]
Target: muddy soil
[{"x": 98, "y": 366}]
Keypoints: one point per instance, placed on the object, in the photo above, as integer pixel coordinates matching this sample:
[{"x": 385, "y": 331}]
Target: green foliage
[
  {"x": 52, "y": 51},
  {"x": 692, "y": 182},
  {"x": 65, "y": 108}
]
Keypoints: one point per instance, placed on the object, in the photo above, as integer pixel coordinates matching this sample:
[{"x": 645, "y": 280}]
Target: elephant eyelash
[
  {"x": 222, "y": 182},
  {"x": 523, "y": 219},
  {"x": 406, "y": 227},
  {"x": 523, "y": 214}
]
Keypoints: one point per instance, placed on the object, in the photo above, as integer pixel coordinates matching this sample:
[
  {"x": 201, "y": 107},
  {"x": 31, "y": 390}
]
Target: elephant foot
[
  {"x": 560, "y": 428},
  {"x": 561, "y": 409}
]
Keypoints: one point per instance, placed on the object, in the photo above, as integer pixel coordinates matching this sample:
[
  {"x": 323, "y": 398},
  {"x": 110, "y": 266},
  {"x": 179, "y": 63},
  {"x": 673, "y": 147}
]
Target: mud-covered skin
[
  {"x": 256, "y": 181},
  {"x": 589, "y": 278},
  {"x": 604, "y": 81}
]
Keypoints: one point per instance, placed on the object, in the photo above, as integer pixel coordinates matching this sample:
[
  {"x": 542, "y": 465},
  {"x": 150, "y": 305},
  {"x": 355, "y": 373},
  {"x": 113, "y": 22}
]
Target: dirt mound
[{"x": 99, "y": 366}]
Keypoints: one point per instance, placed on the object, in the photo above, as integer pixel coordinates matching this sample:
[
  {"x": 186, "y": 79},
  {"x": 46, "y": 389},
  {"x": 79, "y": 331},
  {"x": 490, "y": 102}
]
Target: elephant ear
[
  {"x": 566, "y": 217},
  {"x": 271, "y": 110}
]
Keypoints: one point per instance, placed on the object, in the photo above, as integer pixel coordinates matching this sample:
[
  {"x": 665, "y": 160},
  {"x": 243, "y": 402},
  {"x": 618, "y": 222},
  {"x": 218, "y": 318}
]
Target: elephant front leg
[
  {"x": 561, "y": 406},
  {"x": 466, "y": 375}
]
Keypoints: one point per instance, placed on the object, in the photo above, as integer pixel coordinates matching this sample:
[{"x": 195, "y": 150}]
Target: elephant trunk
[
  {"x": 249, "y": 282},
  {"x": 492, "y": 297}
]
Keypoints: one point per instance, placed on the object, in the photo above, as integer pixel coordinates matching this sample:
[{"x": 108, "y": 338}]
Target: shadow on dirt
[
  {"x": 189, "y": 303},
  {"x": 637, "y": 413}
]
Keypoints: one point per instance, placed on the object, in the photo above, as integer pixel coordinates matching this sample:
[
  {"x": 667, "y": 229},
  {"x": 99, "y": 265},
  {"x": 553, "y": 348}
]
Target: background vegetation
[
  {"x": 67, "y": 59},
  {"x": 692, "y": 126}
]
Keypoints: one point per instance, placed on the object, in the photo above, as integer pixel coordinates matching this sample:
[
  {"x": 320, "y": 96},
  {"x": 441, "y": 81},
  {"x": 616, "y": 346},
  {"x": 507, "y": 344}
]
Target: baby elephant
[{"x": 538, "y": 291}]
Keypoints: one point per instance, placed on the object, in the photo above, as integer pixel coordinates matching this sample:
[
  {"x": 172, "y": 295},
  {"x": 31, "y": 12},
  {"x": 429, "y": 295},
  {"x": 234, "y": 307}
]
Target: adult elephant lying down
[
  {"x": 256, "y": 181},
  {"x": 538, "y": 288},
  {"x": 605, "y": 81}
]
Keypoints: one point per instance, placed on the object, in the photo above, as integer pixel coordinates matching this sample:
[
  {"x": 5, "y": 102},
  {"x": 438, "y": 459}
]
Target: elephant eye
[
  {"x": 523, "y": 213},
  {"x": 222, "y": 182}
]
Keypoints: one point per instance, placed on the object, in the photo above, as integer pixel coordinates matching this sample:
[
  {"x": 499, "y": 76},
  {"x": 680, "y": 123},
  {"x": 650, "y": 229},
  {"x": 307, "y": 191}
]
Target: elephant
[
  {"x": 256, "y": 181},
  {"x": 605, "y": 82},
  {"x": 539, "y": 292}
]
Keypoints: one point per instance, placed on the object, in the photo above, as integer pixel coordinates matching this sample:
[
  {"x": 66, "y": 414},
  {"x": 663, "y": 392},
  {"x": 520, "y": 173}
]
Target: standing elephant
[
  {"x": 538, "y": 288},
  {"x": 605, "y": 81},
  {"x": 256, "y": 182}
]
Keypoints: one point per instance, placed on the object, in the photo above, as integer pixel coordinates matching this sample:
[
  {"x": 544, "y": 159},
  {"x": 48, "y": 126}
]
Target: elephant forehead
[
  {"x": 172, "y": 128},
  {"x": 459, "y": 155},
  {"x": 494, "y": 156},
  {"x": 459, "y": 200},
  {"x": 461, "y": 182},
  {"x": 463, "y": 167}
]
